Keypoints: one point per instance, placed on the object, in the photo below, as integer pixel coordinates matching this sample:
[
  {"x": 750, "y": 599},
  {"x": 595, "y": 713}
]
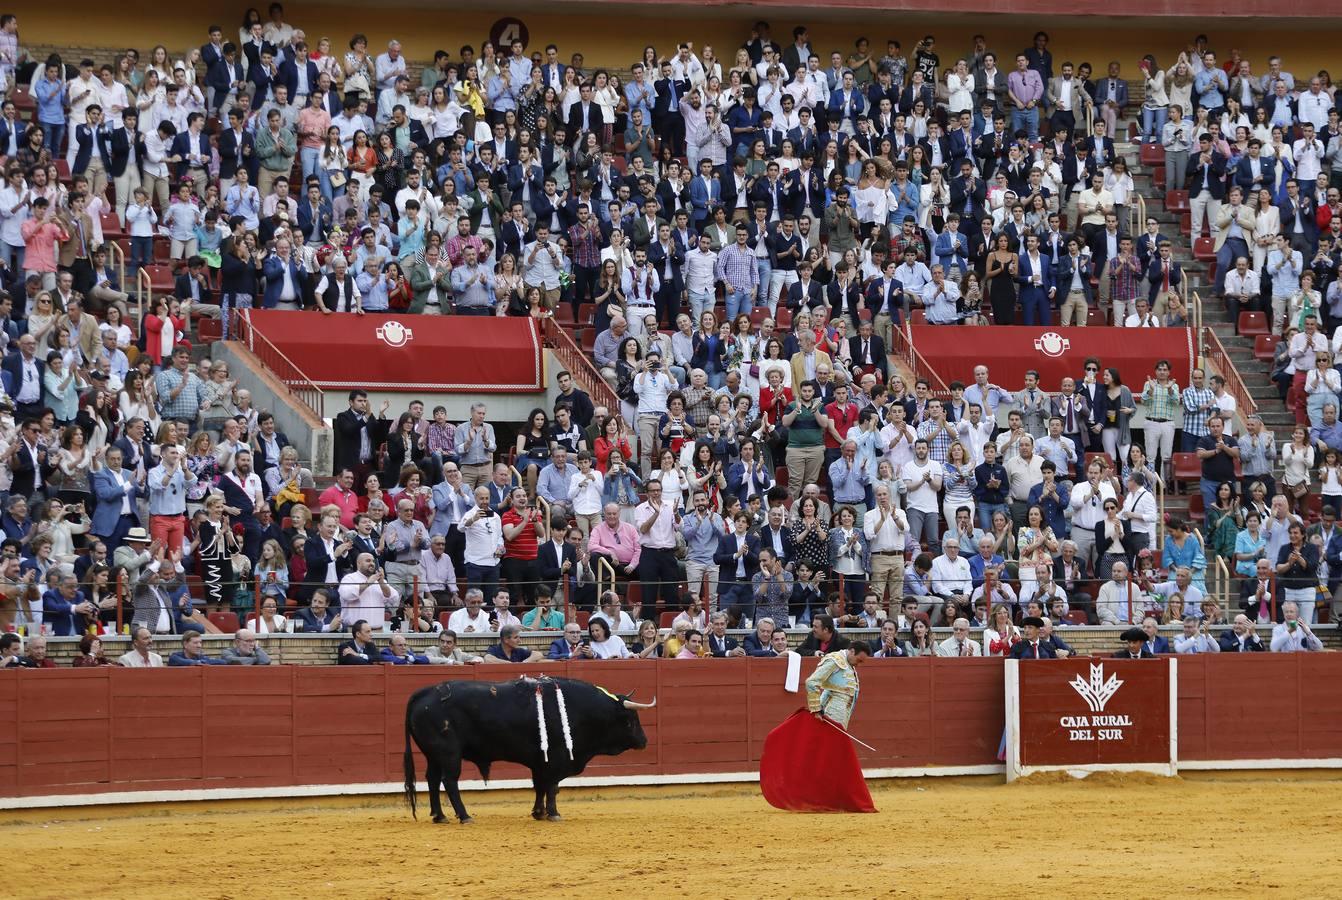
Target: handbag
[
  {"x": 357, "y": 83},
  {"x": 337, "y": 179}
]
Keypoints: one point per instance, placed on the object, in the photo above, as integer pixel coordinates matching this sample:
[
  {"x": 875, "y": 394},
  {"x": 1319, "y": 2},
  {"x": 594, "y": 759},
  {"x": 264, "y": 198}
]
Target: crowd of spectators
[{"x": 824, "y": 199}]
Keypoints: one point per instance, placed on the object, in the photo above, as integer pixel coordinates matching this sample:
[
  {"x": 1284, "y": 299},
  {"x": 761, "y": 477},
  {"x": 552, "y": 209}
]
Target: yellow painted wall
[{"x": 607, "y": 38}]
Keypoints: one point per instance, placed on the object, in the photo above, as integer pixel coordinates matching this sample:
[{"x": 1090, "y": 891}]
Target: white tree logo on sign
[{"x": 1097, "y": 692}]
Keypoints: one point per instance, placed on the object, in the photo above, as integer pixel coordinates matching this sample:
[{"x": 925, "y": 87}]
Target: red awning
[
  {"x": 383, "y": 352},
  {"x": 1010, "y": 350}
]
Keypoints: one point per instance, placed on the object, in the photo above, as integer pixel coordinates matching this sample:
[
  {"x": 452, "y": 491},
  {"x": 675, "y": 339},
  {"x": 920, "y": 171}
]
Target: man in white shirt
[
  {"x": 1139, "y": 513},
  {"x": 1293, "y": 635},
  {"x": 959, "y": 643},
  {"x": 700, "y": 265},
  {"x": 922, "y": 477},
  {"x": 471, "y": 618},
  {"x": 1087, "y": 505},
  {"x": 365, "y": 593},
  {"x": 1142, "y": 318},
  {"x": 1195, "y": 638},
  {"x": 951, "y": 577},
  {"x": 886, "y": 528},
  {"x": 484, "y": 544},
  {"x": 1115, "y": 602}
]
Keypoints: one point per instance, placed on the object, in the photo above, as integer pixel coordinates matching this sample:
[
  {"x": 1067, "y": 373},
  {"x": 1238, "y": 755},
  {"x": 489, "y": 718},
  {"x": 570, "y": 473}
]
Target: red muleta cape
[{"x": 810, "y": 766}]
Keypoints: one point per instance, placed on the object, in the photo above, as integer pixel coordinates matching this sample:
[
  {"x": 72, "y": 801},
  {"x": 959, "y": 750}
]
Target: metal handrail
[
  {"x": 300, "y": 386},
  {"x": 1217, "y": 358},
  {"x": 119, "y": 256},
  {"x": 1136, "y": 213},
  {"x": 1160, "y": 507},
  {"x": 579, "y": 364},
  {"x": 603, "y": 567},
  {"x": 1224, "y": 571},
  {"x": 1196, "y": 310},
  {"x": 144, "y": 288},
  {"x": 917, "y": 363}
]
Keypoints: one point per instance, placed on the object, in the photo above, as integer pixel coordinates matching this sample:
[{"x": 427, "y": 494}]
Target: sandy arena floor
[{"x": 1112, "y": 837}]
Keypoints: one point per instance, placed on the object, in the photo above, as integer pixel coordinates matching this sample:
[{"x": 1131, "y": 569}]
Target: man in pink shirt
[
  {"x": 341, "y": 494},
  {"x": 41, "y": 234},
  {"x": 615, "y": 541},
  {"x": 313, "y": 120}
]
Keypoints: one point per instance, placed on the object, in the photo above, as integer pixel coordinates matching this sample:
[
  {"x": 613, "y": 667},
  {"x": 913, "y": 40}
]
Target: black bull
[{"x": 483, "y": 722}]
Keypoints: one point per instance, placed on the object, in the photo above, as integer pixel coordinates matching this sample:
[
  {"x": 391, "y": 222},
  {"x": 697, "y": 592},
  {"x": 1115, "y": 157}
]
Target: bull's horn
[{"x": 630, "y": 704}]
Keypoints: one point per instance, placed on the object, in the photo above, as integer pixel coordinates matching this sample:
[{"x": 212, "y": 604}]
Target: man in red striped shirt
[{"x": 523, "y": 530}]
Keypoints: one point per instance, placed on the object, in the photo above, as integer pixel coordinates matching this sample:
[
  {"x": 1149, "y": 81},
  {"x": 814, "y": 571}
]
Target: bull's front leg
[
  {"x": 538, "y": 808},
  {"x": 551, "y": 810}
]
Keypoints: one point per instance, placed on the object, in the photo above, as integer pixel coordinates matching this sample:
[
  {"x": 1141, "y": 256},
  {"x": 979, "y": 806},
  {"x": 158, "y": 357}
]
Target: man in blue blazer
[
  {"x": 738, "y": 559},
  {"x": 1164, "y": 269},
  {"x": 274, "y": 268},
  {"x": 14, "y": 365},
  {"x": 1037, "y": 290},
  {"x": 237, "y": 148},
  {"x": 1154, "y": 641},
  {"x": 92, "y": 137},
  {"x": 289, "y": 71},
  {"x": 807, "y": 190},
  {"x": 1255, "y": 171},
  {"x": 224, "y": 75},
  {"x": 12, "y": 129},
  {"x": 116, "y": 490},
  {"x": 749, "y": 476},
  {"x": 65, "y": 609},
  {"x": 705, "y": 193},
  {"x": 1074, "y": 263}
]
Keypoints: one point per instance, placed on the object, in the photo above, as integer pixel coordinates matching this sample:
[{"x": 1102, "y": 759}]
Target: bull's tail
[{"x": 409, "y": 764}]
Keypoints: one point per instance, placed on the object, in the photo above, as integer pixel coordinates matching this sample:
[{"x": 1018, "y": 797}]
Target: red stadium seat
[
  {"x": 918, "y": 317},
  {"x": 111, "y": 226},
  {"x": 161, "y": 279},
  {"x": 226, "y": 622},
  {"x": 1252, "y": 324},
  {"x": 209, "y": 330},
  {"x": 443, "y": 618},
  {"x": 1196, "y": 511},
  {"x": 1100, "y": 455},
  {"x": 1185, "y": 223},
  {"x": 1264, "y": 345},
  {"x": 1077, "y": 617},
  {"x": 1177, "y": 201},
  {"x": 1153, "y": 155},
  {"x": 1204, "y": 249},
  {"x": 758, "y": 315},
  {"x": 667, "y": 619},
  {"x": 1095, "y": 317},
  {"x": 583, "y": 618},
  {"x": 1187, "y": 467},
  {"x": 783, "y": 321},
  {"x": 62, "y": 169}
]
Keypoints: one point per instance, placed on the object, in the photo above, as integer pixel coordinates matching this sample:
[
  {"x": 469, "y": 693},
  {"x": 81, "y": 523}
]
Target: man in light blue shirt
[
  {"x": 1211, "y": 85},
  {"x": 1284, "y": 265},
  {"x": 701, "y": 530},
  {"x": 473, "y": 286},
  {"x": 986, "y": 394},
  {"x": 848, "y": 478},
  {"x": 939, "y": 298},
  {"x": 168, "y": 483},
  {"x": 553, "y": 483}
]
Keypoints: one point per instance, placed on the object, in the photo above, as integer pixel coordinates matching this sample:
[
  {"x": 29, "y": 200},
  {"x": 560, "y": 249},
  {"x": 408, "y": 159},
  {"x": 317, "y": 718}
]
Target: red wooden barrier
[{"x": 98, "y": 730}]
